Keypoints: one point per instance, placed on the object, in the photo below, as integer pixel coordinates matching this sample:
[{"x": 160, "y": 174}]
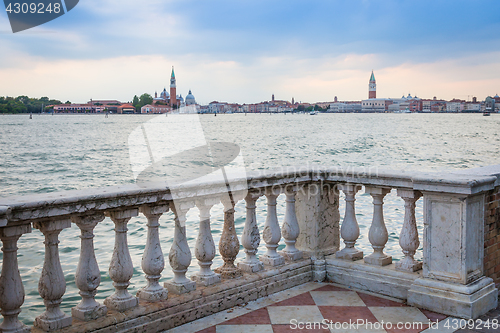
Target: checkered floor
[{"x": 321, "y": 307}]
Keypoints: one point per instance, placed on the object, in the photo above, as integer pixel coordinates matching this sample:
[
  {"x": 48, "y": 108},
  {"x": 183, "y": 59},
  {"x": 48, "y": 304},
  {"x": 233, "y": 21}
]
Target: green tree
[{"x": 145, "y": 99}]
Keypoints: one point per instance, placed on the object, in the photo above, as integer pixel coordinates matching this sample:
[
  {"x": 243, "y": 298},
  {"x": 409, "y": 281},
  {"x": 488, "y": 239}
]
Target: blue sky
[{"x": 244, "y": 51}]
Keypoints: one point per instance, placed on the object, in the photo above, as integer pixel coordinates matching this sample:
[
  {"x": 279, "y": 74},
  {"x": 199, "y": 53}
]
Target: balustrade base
[
  {"x": 229, "y": 272},
  {"x": 121, "y": 304},
  {"x": 251, "y": 267},
  {"x": 19, "y": 328},
  {"x": 378, "y": 260},
  {"x": 464, "y": 301},
  {"x": 409, "y": 267},
  {"x": 350, "y": 254},
  {"x": 152, "y": 295},
  {"x": 206, "y": 280},
  {"x": 90, "y": 313},
  {"x": 180, "y": 288},
  {"x": 291, "y": 256},
  {"x": 52, "y": 324},
  {"x": 272, "y": 261}
]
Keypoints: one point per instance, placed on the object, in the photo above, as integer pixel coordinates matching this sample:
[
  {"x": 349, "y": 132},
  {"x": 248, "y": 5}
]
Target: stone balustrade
[{"x": 450, "y": 279}]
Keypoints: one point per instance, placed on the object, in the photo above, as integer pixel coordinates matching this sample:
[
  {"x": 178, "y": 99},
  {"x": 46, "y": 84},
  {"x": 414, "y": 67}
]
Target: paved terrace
[{"x": 456, "y": 278}]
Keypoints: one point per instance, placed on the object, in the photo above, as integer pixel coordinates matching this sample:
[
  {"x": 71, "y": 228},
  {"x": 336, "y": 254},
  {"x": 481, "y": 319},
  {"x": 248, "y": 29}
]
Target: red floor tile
[
  {"x": 378, "y": 301},
  {"x": 433, "y": 315},
  {"x": 406, "y": 330},
  {"x": 257, "y": 317},
  {"x": 302, "y": 299},
  {"x": 288, "y": 329},
  {"x": 346, "y": 314},
  {"x": 331, "y": 288}
]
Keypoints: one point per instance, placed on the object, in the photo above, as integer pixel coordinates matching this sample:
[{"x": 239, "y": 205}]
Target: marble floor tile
[
  {"x": 244, "y": 329},
  {"x": 347, "y": 314},
  {"x": 302, "y": 299},
  {"x": 396, "y": 315},
  {"x": 288, "y": 314},
  {"x": 257, "y": 317},
  {"x": 337, "y": 298}
]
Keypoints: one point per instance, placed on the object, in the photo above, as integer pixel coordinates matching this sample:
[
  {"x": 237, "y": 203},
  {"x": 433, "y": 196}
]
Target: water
[{"x": 66, "y": 152}]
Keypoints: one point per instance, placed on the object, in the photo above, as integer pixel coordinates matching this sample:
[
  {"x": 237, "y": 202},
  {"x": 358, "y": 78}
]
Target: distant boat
[
  {"x": 313, "y": 113},
  {"x": 486, "y": 113}
]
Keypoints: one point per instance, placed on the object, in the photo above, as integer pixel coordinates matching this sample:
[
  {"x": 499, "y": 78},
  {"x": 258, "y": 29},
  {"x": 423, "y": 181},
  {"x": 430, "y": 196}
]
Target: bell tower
[
  {"x": 173, "y": 96},
  {"x": 372, "y": 87}
]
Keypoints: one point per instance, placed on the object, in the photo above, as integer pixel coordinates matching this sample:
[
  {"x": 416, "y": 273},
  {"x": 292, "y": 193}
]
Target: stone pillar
[
  {"x": 121, "y": 268},
  {"x": 180, "y": 255},
  {"x": 250, "y": 238},
  {"x": 378, "y": 235},
  {"x": 290, "y": 229},
  {"x": 88, "y": 275},
  {"x": 453, "y": 281},
  {"x": 205, "y": 246},
  {"x": 11, "y": 285},
  {"x": 229, "y": 246},
  {"x": 52, "y": 285},
  {"x": 272, "y": 233},
  {"x": 408, "y": 239},
  {"x": 350, "y": 229},
  {"x": 152, "y": 260}
]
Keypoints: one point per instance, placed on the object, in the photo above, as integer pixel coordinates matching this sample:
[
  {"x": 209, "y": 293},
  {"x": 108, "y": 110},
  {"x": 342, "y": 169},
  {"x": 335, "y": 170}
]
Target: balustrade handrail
[{"x": 23, "y": 209}]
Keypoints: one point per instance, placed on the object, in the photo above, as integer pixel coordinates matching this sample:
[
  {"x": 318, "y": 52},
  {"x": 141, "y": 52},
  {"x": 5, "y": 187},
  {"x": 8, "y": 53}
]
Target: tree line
[{"x": 25, "y": 104}]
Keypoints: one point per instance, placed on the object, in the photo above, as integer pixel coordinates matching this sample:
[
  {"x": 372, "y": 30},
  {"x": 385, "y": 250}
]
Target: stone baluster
[
  {"x": 271, "y": 233},
  {"x": 153, "y": 262},
  {"x": 350, "y": 229},
  {"x": 229, "y": 246},
  {"x": 408, "y": 239},
  {"x": 52, "y": 285},
  {"x": 180, "y": 255},
  {"x": 290, "y": 229},
  {"x": 250, "y": 239},
  {"x": 88, "y": 275},
  {"x": 205, "y": 246},
  {"x": 11, "y": 285},
  {"x": 121, "y": 268},
  {"x": 378, "y": 235}
]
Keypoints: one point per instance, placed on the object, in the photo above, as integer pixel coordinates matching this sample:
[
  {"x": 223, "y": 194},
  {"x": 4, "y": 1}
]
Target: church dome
[
  {"x": 164, "y": 94},
  {"x": 179, "y": 98},
  {"x": 190, "y": 98}
]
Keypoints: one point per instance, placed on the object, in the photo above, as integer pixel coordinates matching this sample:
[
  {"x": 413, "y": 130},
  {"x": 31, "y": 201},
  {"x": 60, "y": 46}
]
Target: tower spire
[{"x": 372, "y": 87}]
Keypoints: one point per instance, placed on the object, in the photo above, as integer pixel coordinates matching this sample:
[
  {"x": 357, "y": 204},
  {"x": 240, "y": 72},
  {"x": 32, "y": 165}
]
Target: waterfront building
[
  {"x": 156, "y": 108},
  {"x": 375, "y": 104},
  {"x": 455, "y": 105},
  {"x": 172, "y": 99}
]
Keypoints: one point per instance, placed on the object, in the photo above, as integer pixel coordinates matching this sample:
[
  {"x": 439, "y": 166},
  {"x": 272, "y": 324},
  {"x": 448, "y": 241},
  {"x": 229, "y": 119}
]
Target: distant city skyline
[{"x": 243, "y": 52}]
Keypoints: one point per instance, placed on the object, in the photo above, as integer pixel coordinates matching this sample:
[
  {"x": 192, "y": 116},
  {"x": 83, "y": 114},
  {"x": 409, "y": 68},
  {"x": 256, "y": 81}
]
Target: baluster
[
  {"x": 121, "y": 268},
  {"x": 378, "y": 235},
  {"x": 52, "y": 285},
  {"x": 350, "y": 229},
  {"x": 88, "y": 275},
  {"x": 11, "y": 285},
  {"x": 180, "y": 255},
  {"x": 229, "y": 246},
  {"x": 408, "y": 239},
  {"x": 271, "y": 233},
  {"x": 250, "y": 238},
  {"x": 205, "y": 246},
  {"x": 290, "y": 229},
  {"x": 153, "y": 262}
]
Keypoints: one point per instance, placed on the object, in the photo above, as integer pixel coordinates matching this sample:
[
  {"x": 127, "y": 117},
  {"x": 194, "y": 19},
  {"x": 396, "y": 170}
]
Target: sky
[{"x": 243, "y": 51}]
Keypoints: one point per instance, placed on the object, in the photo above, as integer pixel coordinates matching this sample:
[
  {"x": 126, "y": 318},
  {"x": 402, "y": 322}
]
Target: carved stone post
[
  {"x": 251, "y": 237},
  {"x": 152, "y": 260},
  {"x": 350, "y": 229},
  {"x": 229, "y": 246},
  {"x": 11, "y": 285},
  {"x": 272, "y": 234},
  {"x": 88, "y": 276},
  {"x": 408, "y": 239},
  {"x": 378, "y": 235},
  {"x": 180, "y": 255},
  {"x": 290, "y": 229},
  {"x": 205, "y": 246},
  {"x": 121, "y": 268},
  {"x": 52, "y": 285}
]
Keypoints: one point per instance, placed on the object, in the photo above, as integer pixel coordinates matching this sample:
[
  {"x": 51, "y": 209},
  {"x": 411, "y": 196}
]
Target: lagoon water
[{"x": 66, "y": 152}]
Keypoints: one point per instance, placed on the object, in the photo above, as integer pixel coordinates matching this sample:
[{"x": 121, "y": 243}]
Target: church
[{"x": 172, "y": 99}]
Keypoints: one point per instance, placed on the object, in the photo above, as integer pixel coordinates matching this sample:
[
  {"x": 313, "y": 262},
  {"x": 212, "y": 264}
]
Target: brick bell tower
[
  {"x": 173, "y": 96},
  {"x": 372, "y": 87}
]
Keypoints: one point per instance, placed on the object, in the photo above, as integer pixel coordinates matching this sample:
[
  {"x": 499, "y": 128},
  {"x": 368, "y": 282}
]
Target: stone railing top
[{"x": 22, "y": 209}]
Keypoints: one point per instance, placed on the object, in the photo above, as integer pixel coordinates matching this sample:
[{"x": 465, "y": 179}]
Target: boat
[
  {"x": 486, "y": 113},
  {"x": 313, "y": 113}
]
